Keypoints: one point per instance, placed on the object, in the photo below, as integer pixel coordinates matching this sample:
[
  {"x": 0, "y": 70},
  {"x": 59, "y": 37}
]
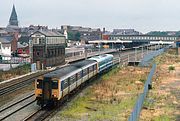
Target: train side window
[
  {"x": 39, "y": 83},
  {"x": 78, "y": 75},
  {"x": 64, "y": 84},
  {"x": 94, "y": 67},
  {"x": 82, "y": 73},
  {"x": 55, "y": 84},
  {"x": 90, "y": 68},
  {"x": 72, "y": 79},
  {"x": 85, "y": 71}
]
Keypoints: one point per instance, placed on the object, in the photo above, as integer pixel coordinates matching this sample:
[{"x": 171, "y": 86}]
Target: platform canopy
[{"x": 110, "y": 41}]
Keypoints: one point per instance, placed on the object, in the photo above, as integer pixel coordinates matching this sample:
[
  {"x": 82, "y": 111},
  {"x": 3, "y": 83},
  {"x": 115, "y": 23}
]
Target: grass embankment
[
  {"x": 162, "y": 103},
  {"x": 112, "y": 97},
  {"x": 20, "y": 70}
]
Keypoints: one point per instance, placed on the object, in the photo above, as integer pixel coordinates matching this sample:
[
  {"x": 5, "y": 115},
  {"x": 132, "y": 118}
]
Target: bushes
[
  {"x": 20, "y": 70},
  {"x": 171, "y": 68}
]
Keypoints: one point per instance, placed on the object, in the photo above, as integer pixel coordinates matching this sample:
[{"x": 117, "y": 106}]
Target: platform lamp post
[
  {"x": 86, "y": 54},
  {"x": 151, "y": 47},
  {"x": 135, "y": 53},
  {"x": 147, "y": 49},
  {"x": 112, "y": 45},
  {"x": 155, "y": 47},
  {"x": 99, "y": 46},
  {"x": 161, "y": 43},
  {"x": 120, "y": 41},
  {"x": 142, "y": 52}
]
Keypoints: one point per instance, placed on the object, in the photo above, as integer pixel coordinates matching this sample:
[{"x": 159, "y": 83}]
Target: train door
[{"x": 46, "y": 90}]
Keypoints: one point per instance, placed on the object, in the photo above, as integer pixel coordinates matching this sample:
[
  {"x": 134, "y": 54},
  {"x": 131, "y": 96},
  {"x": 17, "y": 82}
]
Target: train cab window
[
  {"x": 39, "y": 83},
  {"x": 55, "y": 84}
]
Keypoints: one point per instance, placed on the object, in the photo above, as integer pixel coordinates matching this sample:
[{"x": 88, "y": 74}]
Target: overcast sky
[{"x": 142, "y": 15}]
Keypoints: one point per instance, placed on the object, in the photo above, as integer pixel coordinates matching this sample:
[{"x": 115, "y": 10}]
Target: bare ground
[{"x": 163, "y": 101}]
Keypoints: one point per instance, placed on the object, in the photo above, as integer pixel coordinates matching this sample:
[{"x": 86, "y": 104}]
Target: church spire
[{"x": 13, "y": 21}]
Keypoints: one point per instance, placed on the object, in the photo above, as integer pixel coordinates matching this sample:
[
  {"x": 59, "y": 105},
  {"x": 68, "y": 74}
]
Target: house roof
[
  {"x": 19, "y": 45},
  {"x": 3, "y": 31},
  {"x": 7, "y": 37},
  {"x": 4, "y": 40},
  {"x": 48, "y": 33}
]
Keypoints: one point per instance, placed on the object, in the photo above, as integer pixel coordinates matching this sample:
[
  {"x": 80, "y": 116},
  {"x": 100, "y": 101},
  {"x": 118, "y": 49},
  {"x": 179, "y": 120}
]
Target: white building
[{"x": 5, "y": 47}]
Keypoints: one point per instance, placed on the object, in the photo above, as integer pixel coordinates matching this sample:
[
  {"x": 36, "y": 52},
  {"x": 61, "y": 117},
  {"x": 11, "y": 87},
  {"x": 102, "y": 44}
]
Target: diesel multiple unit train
[{"x": 54, "y": 86}]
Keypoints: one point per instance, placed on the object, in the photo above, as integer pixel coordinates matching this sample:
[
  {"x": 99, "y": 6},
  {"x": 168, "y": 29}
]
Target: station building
[{"x": 47, "y": 48}]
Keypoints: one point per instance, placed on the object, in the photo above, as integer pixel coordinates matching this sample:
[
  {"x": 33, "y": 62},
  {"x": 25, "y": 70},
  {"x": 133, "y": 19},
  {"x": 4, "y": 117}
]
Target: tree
[
  {"x": 77, "y": 36},
  {"x": 70, "y": 35}
]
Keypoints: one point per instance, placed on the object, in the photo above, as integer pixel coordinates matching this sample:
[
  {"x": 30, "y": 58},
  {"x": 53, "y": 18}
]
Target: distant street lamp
[
  {"x": 147, "y": 48},
  {"x": 161, "y": 43},
  {"x": 142, "y": 52},
  {"x": 151, "y": 47},
  {"x": 120, "y": 41},
  {"x": 135, "y": 52}
]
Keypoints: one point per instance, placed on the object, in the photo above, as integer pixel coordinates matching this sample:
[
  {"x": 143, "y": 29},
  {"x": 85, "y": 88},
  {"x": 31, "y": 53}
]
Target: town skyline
[{"x": 164, "y": 20}]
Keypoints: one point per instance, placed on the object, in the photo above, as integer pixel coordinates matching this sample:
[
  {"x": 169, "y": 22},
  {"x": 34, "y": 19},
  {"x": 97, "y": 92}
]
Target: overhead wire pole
[
  {"x": 135, "y": 53},
  {"x": 142, "y": 52},
  {"x": 119, "y": 51},
  {"x": 119, "y": 56}
]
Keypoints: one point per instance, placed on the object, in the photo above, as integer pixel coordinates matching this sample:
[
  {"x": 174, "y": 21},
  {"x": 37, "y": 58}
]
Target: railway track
[
  {"x": 15, "y": 87},
  {"x": 39, "y": 115},
  {"x": 21, "y": 83},
  {"x": 8, "y": 111}
]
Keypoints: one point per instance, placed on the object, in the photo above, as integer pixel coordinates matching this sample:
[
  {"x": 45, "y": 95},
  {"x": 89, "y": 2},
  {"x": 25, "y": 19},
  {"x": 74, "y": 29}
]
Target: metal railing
[
  {"x": 145, "y": 60},
  {"x": 14, "y": 60},
  {"x": 148, "y": 85}
]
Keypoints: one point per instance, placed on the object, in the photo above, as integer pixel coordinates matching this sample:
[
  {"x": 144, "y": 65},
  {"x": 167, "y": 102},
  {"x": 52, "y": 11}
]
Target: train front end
[{"x": 47, "y": 91}]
